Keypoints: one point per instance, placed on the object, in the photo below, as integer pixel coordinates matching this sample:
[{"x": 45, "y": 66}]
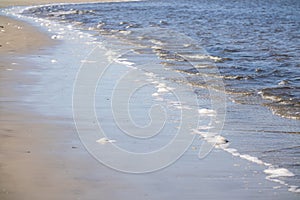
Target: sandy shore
[
  {"x": 18, "y": 37},
  {"x": 41, "y": 156}
]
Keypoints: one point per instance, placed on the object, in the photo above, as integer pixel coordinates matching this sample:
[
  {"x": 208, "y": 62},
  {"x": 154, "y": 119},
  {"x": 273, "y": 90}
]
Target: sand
[
  {"x": 41, "y": 156},
  {"x": 17, "y": 37}
]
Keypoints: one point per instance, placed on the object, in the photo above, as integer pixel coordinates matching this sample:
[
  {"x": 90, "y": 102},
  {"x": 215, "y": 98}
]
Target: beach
[{"x": 42, "y": 155}]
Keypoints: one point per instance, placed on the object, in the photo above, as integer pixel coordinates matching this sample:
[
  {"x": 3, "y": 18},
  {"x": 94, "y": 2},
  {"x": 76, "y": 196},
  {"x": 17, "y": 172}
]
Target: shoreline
[
  {"x": 79, "y": 177},
  {"x": 20, "y": 37}
]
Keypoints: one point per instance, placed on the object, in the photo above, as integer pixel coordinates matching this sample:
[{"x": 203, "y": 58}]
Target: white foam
[
  {"x": 201, "y": 57},
  {"x": 162, "y": 90},
  {"x": 161, "y": 85},
  {"x": 252, "y": 159},
  {"x": 217, "y": 139},
  {"x": 156, "y": 47},
  {"x": 105, "y": 141},
  {"x": 56, "y": 37},
  {"x": 294, "y": 188},
  {"x": 204, "y": 127},
  {"x": 170, "y": 88},
  {"x": 232, "y": 151},
  {"x": 155, "y": 82},
  {"x": 124, "y": 62},
  {"x": 179, "y": 105},
  {"x": 111, "y": 55},
  {"x": 273, "y": 173},
  {"x": 212, "y": 138},
  {"x": 276, "y": 181},
  {"x": 155, "y": 94},
  {"x": 187, "y": 45},
  {"x": 207, "y": 112},
  {"x": 278, "y": 172}
]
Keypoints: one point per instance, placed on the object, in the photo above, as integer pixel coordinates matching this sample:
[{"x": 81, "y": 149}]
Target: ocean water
[{"x": 254, "y": 45}]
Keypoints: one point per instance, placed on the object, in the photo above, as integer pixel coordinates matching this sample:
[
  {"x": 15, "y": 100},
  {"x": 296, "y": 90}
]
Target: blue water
[
  {"x": 254, "y": 45},
  {"x": 257, "y": 41}
]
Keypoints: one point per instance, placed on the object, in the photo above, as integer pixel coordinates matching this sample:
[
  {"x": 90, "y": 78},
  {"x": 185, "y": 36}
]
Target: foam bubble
[{"x": 105, "y": 141}]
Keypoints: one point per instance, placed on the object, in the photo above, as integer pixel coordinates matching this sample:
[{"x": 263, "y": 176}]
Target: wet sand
[
  {"x": 32, "y": 162},
  {"x": 41, "y": 156},
  {"x": 20, "y": 38}
]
